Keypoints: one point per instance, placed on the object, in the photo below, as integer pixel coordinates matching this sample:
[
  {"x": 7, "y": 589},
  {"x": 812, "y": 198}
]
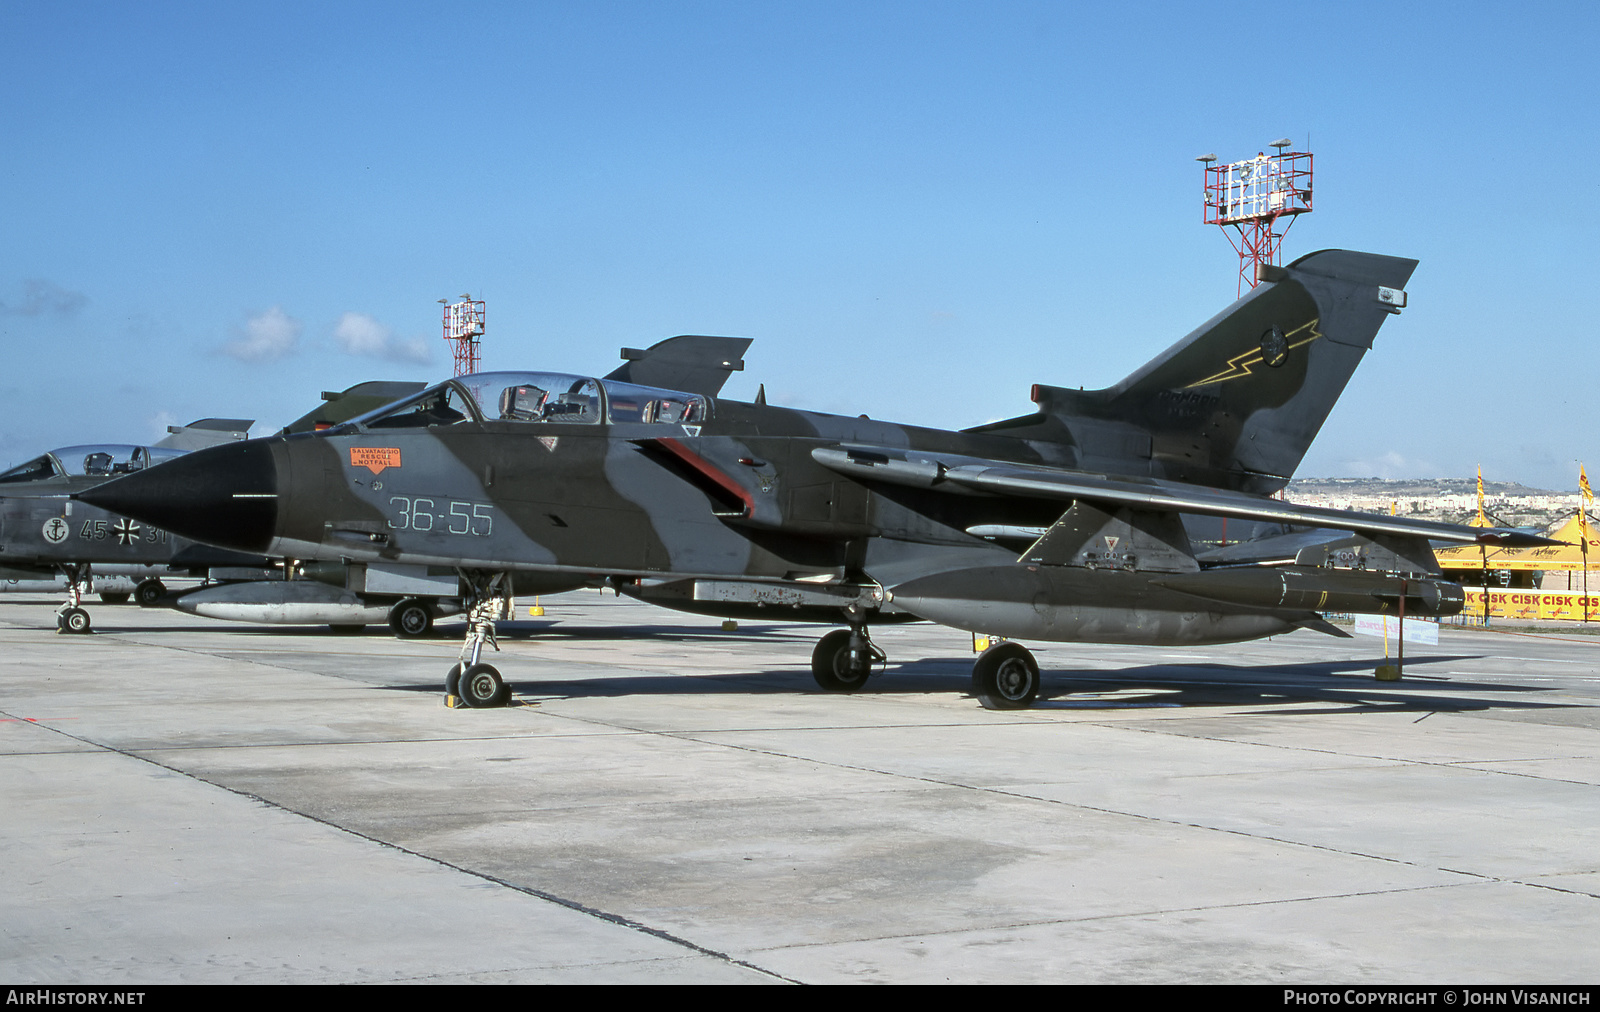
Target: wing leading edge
[{"x": 967, "y": 475}]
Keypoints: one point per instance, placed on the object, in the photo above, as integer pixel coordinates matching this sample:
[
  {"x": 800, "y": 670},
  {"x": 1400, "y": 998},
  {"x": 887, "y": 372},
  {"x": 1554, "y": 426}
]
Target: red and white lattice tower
[
  {"x": 463, "y": 326},
  {"x": 1250, "y": 199}
]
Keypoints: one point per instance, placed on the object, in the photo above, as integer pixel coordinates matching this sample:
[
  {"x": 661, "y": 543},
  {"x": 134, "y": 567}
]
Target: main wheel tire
[
  {"x": 149, "y": 592},
  {"x": 115, "y": 597},
  {"x": 452, "y": 682},
  {"x": 830, "y": 664},
  {"x": 481, "y": 687},
  {"x": 1005, "y": 677},
  {"x": 411, "y": 618},
  {"x": 74, "y": 620}
]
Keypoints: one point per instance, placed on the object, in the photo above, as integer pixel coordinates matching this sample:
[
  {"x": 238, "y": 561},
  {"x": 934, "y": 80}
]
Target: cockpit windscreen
[
  {"x": 541, "y": 398},
  {"x": 440, "y": 405}
]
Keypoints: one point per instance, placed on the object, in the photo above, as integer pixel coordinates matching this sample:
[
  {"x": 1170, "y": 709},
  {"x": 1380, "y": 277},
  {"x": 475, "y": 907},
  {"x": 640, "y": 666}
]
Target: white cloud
[
  {"x": 40, "y": 297},
  {"x": 267, "y": 336},
  {"x": 159, "y": 422},
  {"x": 360, "y": 334}
]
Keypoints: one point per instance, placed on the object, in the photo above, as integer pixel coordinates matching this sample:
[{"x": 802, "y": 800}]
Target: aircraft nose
[{"x": 224, "y": 495}]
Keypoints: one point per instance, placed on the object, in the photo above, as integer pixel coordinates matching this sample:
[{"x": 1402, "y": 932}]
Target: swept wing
[{"x": 966, "y": 475}]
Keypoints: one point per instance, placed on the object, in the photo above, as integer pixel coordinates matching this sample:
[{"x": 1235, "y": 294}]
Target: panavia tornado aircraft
[
  {"x": 1065, "y": 524},
  {"x": 410, "y": 597},
  {"x": 44, "y": 532}
]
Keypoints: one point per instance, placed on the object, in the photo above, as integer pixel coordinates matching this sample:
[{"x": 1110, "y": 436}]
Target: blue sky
[{"x": 915, "y": 209}]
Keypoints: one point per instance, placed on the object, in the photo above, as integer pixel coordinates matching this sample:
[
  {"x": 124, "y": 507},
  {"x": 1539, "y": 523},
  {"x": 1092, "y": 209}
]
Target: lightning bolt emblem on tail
[{"x": 1243, "y": 363}]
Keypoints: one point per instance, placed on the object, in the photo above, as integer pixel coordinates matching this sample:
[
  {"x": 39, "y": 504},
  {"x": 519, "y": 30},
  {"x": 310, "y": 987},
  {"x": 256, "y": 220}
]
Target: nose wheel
[
  {"x": 481, "y": 687},
  {"x": 70, "y": 617},
  {"x": 72, "y": 620}
]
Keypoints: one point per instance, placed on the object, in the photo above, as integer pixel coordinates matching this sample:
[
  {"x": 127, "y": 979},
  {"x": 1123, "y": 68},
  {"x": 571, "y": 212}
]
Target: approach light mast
[
  {"x": 463, "y": 327},
  {"x": 1251, "y": 197}
]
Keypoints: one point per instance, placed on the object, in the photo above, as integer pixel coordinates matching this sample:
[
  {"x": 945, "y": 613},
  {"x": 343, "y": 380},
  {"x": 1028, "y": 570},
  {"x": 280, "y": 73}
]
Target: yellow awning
[{"x": 1550, "y": 557}]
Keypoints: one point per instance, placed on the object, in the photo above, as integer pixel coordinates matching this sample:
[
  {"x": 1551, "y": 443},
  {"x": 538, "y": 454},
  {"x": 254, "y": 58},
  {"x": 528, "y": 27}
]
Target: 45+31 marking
[{"x": 126, "y": 532}]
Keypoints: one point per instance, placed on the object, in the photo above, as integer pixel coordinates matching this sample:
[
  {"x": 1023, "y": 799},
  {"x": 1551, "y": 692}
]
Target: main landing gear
[
  {"x": 474, "y": 683},
  {"x": 411, "y": 618},
  {"x": 844, "y": 658},
  {"x": 71, "y": 617},
  {"x": 1005, "y": 677}
]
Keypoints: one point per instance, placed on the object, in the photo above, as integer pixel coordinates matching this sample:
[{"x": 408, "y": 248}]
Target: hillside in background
[{"x": 1416, "y": 487}]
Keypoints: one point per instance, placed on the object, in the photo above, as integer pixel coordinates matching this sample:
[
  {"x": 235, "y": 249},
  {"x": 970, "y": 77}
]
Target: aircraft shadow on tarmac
[
  {"x": 1348, "y": 686},
  {"x": 552, "y": 631}
]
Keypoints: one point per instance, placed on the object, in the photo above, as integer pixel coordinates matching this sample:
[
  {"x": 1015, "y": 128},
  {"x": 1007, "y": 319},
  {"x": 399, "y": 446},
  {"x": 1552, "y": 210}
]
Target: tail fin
[
  {"x": 1237, "y": 402},
  {"x": 205, "y": 432},
  {"x": 695, "y": 363}
]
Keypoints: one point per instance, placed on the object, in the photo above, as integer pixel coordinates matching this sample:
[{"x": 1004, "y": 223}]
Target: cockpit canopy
[
  {"x": 540, "y": 398},
  {"x": 97, "y": 460}
]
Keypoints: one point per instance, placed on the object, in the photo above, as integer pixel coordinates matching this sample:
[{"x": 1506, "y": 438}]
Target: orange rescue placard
[{"x": 375, "y": 458}]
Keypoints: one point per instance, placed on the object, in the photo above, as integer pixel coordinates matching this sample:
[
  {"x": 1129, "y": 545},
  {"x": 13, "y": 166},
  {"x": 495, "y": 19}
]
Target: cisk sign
[{"x": 1533, "y": 604}]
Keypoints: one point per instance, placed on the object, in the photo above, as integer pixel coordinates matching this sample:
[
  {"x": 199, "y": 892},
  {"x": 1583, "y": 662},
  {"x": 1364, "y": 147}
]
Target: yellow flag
[
  {"x": 1480, "y": 493},
  {"x": 1583, "y": 509}
]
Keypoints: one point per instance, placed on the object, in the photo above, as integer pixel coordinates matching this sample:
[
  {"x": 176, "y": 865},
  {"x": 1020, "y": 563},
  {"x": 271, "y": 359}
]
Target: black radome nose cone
[{"x": 224, "y": 495}]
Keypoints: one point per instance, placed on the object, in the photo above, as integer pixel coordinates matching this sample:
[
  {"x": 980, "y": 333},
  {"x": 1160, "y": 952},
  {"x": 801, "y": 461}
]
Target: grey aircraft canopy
[
  {"x": 95, "y": 460},
  {"x": 538, "y": 398}
]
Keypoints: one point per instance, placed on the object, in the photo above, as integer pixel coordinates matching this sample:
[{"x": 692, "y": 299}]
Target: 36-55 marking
[{"x": 417, "y": 514}]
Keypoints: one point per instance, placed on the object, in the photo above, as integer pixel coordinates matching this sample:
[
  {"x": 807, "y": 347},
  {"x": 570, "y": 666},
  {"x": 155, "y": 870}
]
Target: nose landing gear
[
  {"x": 71, "y": 617},
  {"x": 473, "y": 683}
]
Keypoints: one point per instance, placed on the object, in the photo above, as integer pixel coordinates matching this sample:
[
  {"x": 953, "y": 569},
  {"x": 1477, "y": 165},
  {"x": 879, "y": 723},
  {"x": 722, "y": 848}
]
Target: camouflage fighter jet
[
  {"x": 409, "y": 598},
  {"x": 1065, "y": 524},
  {"x": 44, "y": 532}
]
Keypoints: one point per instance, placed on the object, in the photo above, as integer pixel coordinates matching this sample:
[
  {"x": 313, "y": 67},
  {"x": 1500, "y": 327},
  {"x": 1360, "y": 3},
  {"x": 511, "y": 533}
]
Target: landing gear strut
[
  {"x": 71, "y": 617},
  {"x": 844, "y": 658},
  {"x": 1005, "y": 677},
  {"x": 474, "y": 683}
]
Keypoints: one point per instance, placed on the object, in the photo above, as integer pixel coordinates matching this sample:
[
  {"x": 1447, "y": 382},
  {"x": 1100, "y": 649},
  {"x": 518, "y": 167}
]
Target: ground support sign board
[{"x": 1388, "y": 626}]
